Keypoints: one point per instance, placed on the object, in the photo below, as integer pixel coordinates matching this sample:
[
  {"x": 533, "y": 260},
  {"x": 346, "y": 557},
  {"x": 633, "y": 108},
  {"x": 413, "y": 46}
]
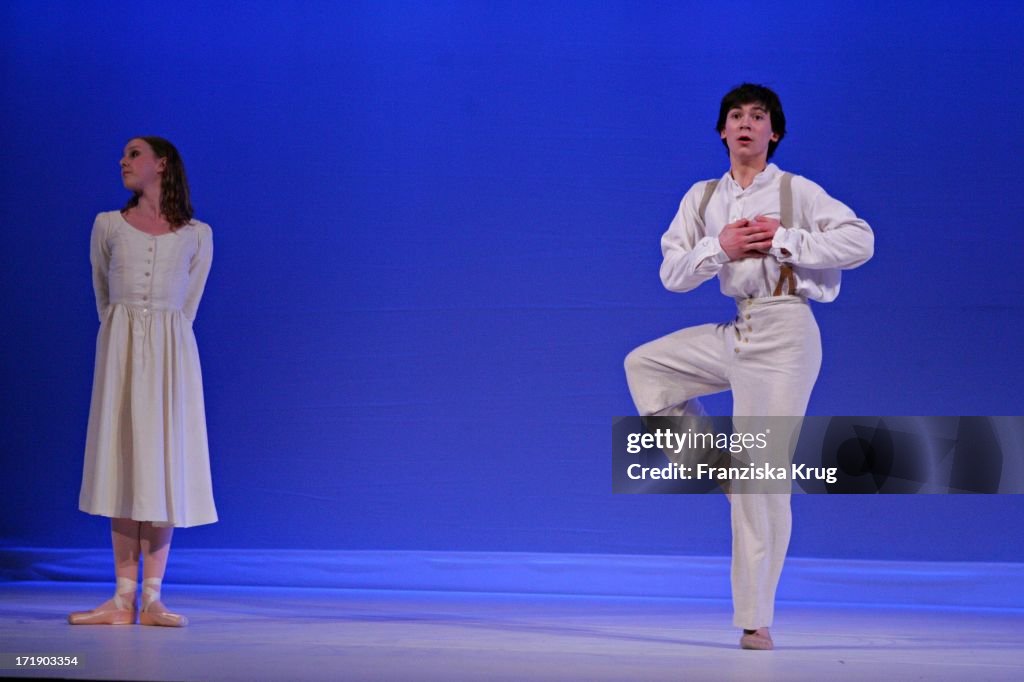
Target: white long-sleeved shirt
[{"x": 827, "y": 237}]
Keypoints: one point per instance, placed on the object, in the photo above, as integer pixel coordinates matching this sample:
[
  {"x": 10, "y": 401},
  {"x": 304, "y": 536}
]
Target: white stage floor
[{"x": 246, "y": 633}]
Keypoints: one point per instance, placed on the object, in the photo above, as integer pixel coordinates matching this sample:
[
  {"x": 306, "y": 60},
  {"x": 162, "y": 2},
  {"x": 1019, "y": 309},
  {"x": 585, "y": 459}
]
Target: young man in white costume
[{"x": 770, "y": 354}]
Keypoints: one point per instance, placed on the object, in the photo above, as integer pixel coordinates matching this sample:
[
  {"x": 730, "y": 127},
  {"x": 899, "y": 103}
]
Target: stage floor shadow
[{"x": 247, "y": 633}]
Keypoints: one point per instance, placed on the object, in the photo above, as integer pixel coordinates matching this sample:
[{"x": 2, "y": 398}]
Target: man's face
[{"x": 747, "y": 132}]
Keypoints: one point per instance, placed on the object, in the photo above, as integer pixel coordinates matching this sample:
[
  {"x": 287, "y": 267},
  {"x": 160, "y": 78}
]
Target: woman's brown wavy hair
[{"x": 175, "y": 202}]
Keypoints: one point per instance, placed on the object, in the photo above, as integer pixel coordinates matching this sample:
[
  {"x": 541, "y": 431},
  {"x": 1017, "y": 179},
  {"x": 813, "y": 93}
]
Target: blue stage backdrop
[{"x": 437, "y": 228}]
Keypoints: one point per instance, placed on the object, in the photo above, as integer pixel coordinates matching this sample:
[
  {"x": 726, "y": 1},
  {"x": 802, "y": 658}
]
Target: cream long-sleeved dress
[{"x": 146, "y": 453}]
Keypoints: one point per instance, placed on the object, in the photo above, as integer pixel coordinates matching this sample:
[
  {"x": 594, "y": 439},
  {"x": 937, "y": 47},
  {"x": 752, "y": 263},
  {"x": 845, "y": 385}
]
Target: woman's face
[{"x": 140, "y": 167}]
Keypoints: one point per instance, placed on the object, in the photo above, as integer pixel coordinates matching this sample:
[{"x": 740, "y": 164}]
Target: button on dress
[{"x": 146, "y": 453}]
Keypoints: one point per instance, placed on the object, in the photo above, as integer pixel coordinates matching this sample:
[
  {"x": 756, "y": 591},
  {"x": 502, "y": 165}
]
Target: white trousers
[{"x": 769, "y": 356}]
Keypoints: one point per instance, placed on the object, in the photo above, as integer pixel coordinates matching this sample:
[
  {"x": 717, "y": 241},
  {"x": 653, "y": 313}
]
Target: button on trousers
[{"x": 769, "y": 357}]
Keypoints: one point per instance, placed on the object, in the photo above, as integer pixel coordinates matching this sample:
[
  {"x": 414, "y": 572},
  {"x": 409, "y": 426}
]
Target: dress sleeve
[
  {"x": 198, "y": 271},
  {"x": 832, "y": 236},
  {"x": 99, "y": 257},
  {"x": 689, "y": 256}
]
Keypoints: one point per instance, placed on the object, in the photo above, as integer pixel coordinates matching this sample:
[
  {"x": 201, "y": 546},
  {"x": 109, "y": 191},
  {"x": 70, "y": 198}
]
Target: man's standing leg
[{"x": 777, "y": 350}]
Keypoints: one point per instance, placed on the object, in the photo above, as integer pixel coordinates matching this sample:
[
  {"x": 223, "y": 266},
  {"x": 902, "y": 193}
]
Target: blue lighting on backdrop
[{"x": 437, "y": 235}]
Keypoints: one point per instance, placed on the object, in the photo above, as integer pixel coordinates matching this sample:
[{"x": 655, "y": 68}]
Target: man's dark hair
[{"x": 749, "y": 93}]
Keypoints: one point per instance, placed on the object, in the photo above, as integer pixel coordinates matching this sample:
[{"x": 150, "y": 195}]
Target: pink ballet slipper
[
  {"x": 759, "y": 640},
  {"x": 116, "y": 611},
  {"x": 155, "y": 613}
]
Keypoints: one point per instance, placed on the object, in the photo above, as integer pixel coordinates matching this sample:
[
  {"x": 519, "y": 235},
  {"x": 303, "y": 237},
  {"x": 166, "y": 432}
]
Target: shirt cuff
[
  {"x": 785, "y": 244},
  {"x": 716, "y": 254}
]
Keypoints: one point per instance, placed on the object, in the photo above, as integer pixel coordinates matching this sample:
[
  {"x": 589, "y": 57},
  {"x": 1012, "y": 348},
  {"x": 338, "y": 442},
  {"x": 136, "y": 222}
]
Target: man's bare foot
[{"x": 758, "y": 639}]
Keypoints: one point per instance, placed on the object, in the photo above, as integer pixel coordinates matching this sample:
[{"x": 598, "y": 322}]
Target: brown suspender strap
[
  {"x": 786, "y": 200},
  {"x": 786, "y": 275},
  {"x": 709, "y": 189}
]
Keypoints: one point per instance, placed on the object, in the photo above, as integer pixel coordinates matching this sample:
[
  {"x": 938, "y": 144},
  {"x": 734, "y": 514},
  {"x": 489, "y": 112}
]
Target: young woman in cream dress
[{"x": 146, "y": 457}]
